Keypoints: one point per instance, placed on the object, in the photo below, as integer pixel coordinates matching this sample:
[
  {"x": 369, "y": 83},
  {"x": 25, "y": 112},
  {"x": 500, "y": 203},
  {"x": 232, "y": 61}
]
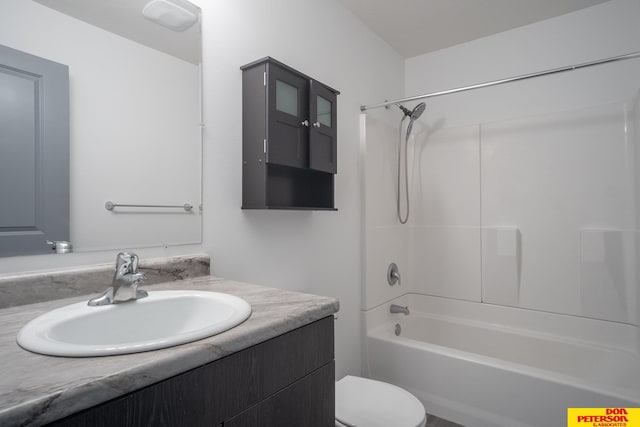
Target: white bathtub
[{"x": 483, "y": 365}]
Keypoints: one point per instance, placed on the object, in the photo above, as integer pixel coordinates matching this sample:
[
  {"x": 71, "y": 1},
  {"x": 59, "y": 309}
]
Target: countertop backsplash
[{"x": 30, "y": 288}]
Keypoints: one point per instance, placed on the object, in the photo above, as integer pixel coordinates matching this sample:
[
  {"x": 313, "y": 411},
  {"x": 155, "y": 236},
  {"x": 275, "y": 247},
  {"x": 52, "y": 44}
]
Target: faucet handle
[
  {"x": 134, "y": 264},
  {"x": 126, "y": 263},
  {"x": 393, "y": 274}
]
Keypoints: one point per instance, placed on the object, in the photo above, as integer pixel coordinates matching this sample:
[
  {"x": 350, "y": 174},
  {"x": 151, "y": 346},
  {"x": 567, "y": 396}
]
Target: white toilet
[{"x": 361, "y": 402}]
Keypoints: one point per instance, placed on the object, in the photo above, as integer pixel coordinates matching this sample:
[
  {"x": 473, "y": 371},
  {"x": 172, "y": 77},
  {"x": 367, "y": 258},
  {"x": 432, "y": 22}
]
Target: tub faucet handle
[{"x": 393, "y": 274}]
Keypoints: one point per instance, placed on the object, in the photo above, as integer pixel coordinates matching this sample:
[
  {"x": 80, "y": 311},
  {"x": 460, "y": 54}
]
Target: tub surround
[
  {"x": 40, "y": 389},
  {"x": 36, "y": 287}
]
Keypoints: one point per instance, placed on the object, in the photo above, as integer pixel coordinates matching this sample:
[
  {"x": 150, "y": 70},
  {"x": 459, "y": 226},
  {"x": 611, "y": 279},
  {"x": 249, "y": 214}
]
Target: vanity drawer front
[
  {"x": 291, "y": 356},
  {"x": 210, "y": 394},
  {"x": 309, "y": 402}
]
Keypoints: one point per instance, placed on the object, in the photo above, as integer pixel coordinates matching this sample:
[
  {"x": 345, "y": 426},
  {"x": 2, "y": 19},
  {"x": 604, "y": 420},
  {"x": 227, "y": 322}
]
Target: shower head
[
  {"x": 415, "y": 113},
  {"x": 413, "y": 116},
  {"x": 418, "y": 110}
]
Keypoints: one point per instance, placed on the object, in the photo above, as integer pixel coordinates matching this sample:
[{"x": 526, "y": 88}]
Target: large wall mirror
[{"x": 134, "y": 100}]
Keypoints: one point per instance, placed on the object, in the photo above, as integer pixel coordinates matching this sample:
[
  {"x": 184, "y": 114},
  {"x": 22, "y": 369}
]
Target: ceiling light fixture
[{"x": 177, "y": 15}]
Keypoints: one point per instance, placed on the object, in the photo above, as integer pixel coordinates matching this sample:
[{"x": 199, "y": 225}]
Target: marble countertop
[{"x": 37, "y": 389}]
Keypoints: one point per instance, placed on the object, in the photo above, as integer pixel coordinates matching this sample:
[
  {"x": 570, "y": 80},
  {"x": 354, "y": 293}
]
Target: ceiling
[
  {"x": 124, "y": 18},
  {"x": 411, "y": 27},
  {"x": 414, "y": 27}
]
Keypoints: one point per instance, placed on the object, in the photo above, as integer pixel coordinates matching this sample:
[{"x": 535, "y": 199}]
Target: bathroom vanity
[{"x": 274, "y": 369}]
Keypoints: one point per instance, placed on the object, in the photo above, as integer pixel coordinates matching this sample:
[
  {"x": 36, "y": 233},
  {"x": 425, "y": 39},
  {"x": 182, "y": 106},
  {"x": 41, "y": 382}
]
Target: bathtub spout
[{"x": 399, "y": 309}]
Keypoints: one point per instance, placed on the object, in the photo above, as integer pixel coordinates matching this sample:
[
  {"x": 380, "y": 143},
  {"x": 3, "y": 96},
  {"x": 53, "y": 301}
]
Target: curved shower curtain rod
[{"x": 502, "y": 81}]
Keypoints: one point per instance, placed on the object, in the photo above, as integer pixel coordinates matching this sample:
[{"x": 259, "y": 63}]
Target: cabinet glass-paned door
[
  {"x": 286, "y": 98},
  {"x": 324, "y": 111},
  {"x": 323, "y": 134},
  {"x": 288, "y": 124}
]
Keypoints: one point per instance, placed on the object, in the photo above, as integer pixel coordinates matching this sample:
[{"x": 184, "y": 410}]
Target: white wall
[
  {"x": 317, "y": 252},
  {"x": 596, "y": 32},
  {"x": 524, "y": 194},
  {"x": 134, "y": 128}
]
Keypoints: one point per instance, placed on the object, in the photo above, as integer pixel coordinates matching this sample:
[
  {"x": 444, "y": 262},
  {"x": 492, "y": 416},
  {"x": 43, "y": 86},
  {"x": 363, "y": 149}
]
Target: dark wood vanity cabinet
[
  {"x": 289, "y": 138},
  {"x": 285, "y": 381}
]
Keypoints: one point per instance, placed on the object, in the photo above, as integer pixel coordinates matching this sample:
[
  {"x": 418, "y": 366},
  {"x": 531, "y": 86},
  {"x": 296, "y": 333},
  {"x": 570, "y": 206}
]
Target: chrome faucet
[
  {"x": 399, "y": 309},
  {"x": 124, "y": 286}
]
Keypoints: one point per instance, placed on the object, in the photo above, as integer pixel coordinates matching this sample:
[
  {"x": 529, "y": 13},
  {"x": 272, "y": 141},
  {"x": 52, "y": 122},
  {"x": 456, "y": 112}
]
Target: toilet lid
[{"x": 363, "y": 402}]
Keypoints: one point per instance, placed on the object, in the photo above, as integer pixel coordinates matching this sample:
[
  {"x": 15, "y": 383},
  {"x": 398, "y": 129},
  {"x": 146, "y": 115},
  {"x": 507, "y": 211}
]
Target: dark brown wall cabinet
[
  {"x": 285, "y": 381},
  {"x": 289, "y": 138}
]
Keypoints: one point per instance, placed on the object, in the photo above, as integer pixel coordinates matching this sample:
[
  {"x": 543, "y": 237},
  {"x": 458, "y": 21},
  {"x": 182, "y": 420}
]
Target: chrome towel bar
[{"x": 110, "y": 205}]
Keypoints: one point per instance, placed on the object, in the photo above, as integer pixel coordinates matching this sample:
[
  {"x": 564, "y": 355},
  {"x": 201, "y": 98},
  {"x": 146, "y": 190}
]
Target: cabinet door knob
[
  {"x": 316, "y": 125},
  {"x": 305, "y": 123}
]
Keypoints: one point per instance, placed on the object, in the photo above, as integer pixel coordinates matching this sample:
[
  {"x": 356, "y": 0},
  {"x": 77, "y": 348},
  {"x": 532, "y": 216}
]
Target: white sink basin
[{"x": 163, "y": 319}]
